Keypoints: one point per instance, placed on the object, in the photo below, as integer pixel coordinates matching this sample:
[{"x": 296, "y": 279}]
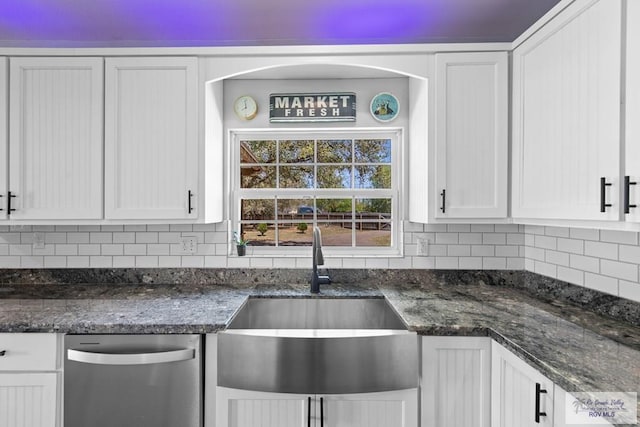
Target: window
[{"x": 345, "y": 181}]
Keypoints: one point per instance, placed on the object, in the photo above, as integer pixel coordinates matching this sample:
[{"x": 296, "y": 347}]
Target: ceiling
[{"x": 182, "y": 23}]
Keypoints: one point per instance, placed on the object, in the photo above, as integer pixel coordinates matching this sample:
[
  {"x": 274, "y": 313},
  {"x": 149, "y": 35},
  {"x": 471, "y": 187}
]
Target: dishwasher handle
[{"x": 130, "y": 359}]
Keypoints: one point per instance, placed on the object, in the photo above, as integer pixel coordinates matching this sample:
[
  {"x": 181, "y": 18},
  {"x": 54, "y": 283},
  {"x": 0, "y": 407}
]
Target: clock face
[{"x": 245, "y": 107}]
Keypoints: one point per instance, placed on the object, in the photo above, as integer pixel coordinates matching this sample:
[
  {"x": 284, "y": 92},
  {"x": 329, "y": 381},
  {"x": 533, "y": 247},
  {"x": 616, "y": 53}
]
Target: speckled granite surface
[{"x": 578, "y": 349}]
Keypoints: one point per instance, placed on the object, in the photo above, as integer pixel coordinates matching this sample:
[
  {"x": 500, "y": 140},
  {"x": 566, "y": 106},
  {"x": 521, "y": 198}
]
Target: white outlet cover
[{"x": 188, "y": 244}]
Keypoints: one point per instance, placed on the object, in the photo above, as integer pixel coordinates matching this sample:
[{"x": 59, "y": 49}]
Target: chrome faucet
[{"x": 318, "y": 259}]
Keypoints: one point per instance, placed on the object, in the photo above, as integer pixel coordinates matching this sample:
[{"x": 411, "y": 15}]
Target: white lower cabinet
[
  {"x": 520, "y": 395},
  {"x": 243, "y": 408},
  {"x": 29, "y": 380},
  {"x": 456, "y": 381}
]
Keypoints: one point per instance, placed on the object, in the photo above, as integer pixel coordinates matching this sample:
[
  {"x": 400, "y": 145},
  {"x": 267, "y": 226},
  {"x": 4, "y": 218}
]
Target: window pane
[
  {"x": 334, "y": 177},
  {"x": 334, "y": 209},
  {"x": 257, "y": 209},
  {"x": 373, "y": 209},
  {"x": 296, "y": 177},
  {"x": 258, "y": 176},
  {"x": 296, "y": 151},
  {"x": 295, "y": 234},
  {"x": 372, "y": 151},
  {"x": 260, "y": 234},
  {"x": 336, "y": 234},
  {"x": 373, "y": 234},
  {"x": 295, "y": 209},
  {"x": 372, "y": 176},
  {"x": 257, "y": 151},
  {"x": 334, "y": 151}
]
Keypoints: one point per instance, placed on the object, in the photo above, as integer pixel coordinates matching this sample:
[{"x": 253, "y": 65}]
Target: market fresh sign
[{"x": 312, "y": 107}]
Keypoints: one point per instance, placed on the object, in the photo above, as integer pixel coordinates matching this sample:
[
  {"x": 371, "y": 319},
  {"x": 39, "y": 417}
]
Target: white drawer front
[{"x": 28, "y": 352}]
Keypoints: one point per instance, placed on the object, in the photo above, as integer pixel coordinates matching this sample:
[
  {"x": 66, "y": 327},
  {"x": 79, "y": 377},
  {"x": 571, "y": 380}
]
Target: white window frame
[{"x": 396, "y": 135}]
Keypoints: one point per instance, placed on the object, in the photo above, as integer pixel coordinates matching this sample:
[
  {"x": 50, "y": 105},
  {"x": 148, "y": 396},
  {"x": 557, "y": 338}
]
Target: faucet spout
[{"x": 318, "y": 259}]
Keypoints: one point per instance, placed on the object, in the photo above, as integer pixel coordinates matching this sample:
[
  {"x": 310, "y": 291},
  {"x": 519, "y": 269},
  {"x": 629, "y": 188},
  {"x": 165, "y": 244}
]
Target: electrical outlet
[
  {"x": 423, "y": 246},
  {"x": 38, "y": 241},
  {"x": 188, "y": 244}
]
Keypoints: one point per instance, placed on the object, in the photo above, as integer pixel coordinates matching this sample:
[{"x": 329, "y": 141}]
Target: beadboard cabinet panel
[
  {"x": 471, "y": 135},
  {"x": 4, "y": 106},
  {"x": 391, "y": 408},
  {"x": 456, "y": 381},
  {"x": 56, "y": 125},
  {"x": 513, "y": 392},
  {"x": 632, "y": 103},
  {"x": 240, "y": 408},
  {"x": 566, "y": 115},
  {"x": 151, "y": 147},
  {"x": 28, "y": 400}
]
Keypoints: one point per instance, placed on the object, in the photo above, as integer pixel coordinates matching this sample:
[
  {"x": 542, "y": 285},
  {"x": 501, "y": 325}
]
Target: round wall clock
[
  {"x": 384, "y": 107},
  {"x": 246, "y": 107}
]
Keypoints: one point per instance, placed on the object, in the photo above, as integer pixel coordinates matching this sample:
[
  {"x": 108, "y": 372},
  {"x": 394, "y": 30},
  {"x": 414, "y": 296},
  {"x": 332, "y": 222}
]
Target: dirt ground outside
[{"x": 332, "y": 235}]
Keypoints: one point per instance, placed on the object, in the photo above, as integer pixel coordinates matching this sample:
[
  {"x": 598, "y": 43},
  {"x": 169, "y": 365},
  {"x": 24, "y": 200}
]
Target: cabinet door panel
[
  {"x": 4, "y": 100},
  {"x": 471, "y": 135},
  {"x": 151, "y": 137},
  {"x": 28, "y": 400},
  {"x": 456, "y": 381},
  {"x": 56, "y": 138},
  {"x": 242, "y": 408},
  {"x": 513, "y": 396},
  {"x": 393, "y": 408},
  {"x": 566, "y": 117},
  {"x": 632, "y": 122}
]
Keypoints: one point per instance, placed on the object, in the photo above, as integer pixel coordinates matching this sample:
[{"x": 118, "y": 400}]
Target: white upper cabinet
[
  {"x": 4, "y": 100},
  {"x": 471, "y": 151},
  {"x": 566, "y": 116},
  {"x": 55, "y": 142},
  {"x": 151, "y": 138},
  {"x": 632, "y": 122}
]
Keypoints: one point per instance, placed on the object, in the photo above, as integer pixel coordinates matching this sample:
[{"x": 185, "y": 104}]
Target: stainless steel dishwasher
[{"x": 132, "y": 381}]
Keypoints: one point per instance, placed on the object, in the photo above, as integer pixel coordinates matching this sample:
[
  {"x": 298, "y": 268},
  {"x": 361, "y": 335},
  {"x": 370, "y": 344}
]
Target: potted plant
[{"x": 241, "y": 244}]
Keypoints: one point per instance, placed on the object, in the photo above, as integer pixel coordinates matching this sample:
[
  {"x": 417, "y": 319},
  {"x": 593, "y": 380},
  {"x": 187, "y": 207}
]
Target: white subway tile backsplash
[
  {"x": 4, "y": 249},
  {"x": 66, "y": 249},
  {"x": 10, "y": 238},
  {"x": 169, "y": 261},
  {"x": 158, "y": 249},
  {"x": 515, "y": 263},
  {"x": 494, "y": 263},
  {"x": 135, "y": 228},
  {"x": 601, "y": 250},
  {"x": 111, "y": 228},
  {"x": 55, "y": 262},
  {"x": 445, "y": 262},
  {"x": 537, "y": 254},
  {"x": 458, "y": 228},
  {"x": 459, "y": 250},
  {"x": 534, "y": 229},
  {"x": 557, "y": 258},
  {"x": 470, "y": 238},
  {"x": 557, "y": 231},
  {"x": 32, "y": 261},
  {"x": 147, "y": 237},
  {"x": 515, "y": 239},
  {"x": 403, "y": 263},
  {"x": 47, "y": 250},
  {"x": 100, "y": 261},
  {"x": 446, "y": 238},
  {"x": 494, "y": 239},
  {"x": 575, "y": 246},
  {"x": 412, "y": 227},
  {"x": 470, "y": 263},
  {"x": 507, "y": 251},
  {"x": 100, "y": 238},
  {"x": 629, "y": 254},
  {"x": 482, "y": 228},
  {"x": 629, "y": 290},
  {"x": 20, "y": 250},
  {"x": 377, "y": 263},
  {"x": 545, "y": 269},
  {"x": 43, "y": 228},
  {"x": 619, "y": 236},
  {"x": 158, "y": 227},
  {"x": 181, "y": 227},
  {"x": 79, "y": 237},
  {"x": 424, "y": 262},
  {"x": 570, "y": 275},
  {"x": 584, "y": 233},
  {"x": 56, "y": 237},
  {"x": 507, "y": 228},
  {"x": 124, "y": 261},
  {"x": 584, "y": 263},
  {"x": 124, "y": 237},
  {"x": 620, "y": 270},
  {"x": 91, "y": 249},
  {"x": 483, "y": 250},
  {"x": 546, "y": 242},
  {"x": 261, "y": 263},
  {"x": 218, "y": 262},
  {"x": 135, "y": 249},
  {"x": 81, "y": 261},
  {"x": 146, "y": 261},
  {"x": 437, "y": 250},
  {"x": 601, "y": 283}
]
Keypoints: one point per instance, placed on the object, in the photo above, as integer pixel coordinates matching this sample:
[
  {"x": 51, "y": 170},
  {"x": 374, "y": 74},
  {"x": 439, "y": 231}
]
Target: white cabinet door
[
  {"x": 28, "y": 400},
  {"x": 566, "y": 115},
  {"x": 632, "y": 122},
  {"x": 514, "y": 392},
  {"x": 393, "y": 408},
  {"x": 56, "y": 127},
  {"x": 151, "y": 138},
  {"x": 242, "y": 408},
  {"x": 456, "y": 381},
  {"x": 4, "y": 105},
  {"x": 471, "y": 135}
]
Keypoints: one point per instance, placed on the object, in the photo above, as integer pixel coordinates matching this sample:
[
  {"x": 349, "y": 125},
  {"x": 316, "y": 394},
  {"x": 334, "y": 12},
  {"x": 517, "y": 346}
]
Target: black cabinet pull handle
[
  {"x": 321, "y": 412},
  {"x": 627, "y": 184},
  {"x": 309, "y": 412},
  {"x": 1, "y": 208},
  {"x": 3, "y": 352},
  {"x": 603, "y": 203},
  {"x": 539, "y": 391},
  {"x": 9, "y": 209},
  {"x": 189, "y": 197},
  {"x": 444, "y": 200}
]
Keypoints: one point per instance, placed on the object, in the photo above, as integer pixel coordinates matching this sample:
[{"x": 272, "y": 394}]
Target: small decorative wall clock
[
  {"x": 245, "y": 107},
  {"x": 384, "y": 107}
]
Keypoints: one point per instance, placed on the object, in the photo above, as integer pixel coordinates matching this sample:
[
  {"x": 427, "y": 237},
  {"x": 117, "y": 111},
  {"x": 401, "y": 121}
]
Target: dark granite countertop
[{"x": 577, "y": 349}]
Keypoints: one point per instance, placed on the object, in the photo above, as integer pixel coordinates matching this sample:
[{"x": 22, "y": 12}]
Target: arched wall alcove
[{"x": 217, "y": 72}]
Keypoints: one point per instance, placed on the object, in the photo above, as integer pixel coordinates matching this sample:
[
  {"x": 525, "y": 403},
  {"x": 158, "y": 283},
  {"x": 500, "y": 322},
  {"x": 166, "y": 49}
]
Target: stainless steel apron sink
[{"x": 322, "y": 346}]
